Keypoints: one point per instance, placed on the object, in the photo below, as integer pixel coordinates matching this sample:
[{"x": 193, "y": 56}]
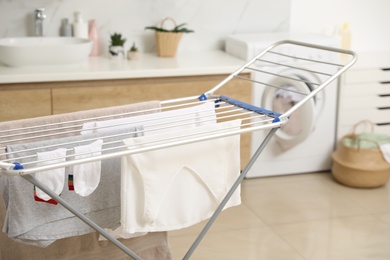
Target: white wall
[
  {"x": 212, "y": 20},
  {"x": 369, "y": 21}
]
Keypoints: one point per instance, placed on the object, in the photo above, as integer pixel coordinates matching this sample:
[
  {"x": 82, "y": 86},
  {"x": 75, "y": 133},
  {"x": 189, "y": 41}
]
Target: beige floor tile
[
  {"x": 385, "y": 217},
  {"x": 248, "y": 182},
  {"x": 248, "y": 244},
  {"x": 375, "y": 200},
  {"x": 301, "y": 198},
  {"x": 238, "y": 217},
  {"x": 357, "y": 238}
]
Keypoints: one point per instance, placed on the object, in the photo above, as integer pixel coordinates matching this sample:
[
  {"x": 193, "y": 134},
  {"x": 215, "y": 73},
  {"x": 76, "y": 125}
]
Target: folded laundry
[{"x": 385, "y": 149}]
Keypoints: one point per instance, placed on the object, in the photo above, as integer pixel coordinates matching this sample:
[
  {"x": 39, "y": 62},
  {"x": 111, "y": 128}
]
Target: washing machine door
[{"x": 302, "y": 121}]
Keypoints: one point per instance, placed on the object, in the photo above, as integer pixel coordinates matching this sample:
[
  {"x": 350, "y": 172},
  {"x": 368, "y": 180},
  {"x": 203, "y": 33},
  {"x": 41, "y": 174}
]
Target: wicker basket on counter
[{"x": 167, "y": 42}]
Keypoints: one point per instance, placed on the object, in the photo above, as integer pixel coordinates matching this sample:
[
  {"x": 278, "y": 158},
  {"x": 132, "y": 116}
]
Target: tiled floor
[{"x": 302, "y": 217}]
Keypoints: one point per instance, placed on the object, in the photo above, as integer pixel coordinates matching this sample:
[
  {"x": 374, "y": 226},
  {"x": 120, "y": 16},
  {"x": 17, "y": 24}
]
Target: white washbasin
[{"x": 43, "y": 51}]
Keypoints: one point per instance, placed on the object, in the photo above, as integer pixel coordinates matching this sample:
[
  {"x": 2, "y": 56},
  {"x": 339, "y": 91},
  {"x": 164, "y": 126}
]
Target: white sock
[
  {"x": 86, "y": 177},
  {"x": 53, "y": 179}
]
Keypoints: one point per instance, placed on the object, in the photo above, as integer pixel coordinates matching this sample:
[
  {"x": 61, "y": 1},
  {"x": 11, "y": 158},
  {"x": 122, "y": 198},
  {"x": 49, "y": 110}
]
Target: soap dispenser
[
  {"x": 66, "y": 28},
  {"x": 80, "y": 28},
  {"x": 345, "y": 35},
  {"x": 94, "y": 37}
]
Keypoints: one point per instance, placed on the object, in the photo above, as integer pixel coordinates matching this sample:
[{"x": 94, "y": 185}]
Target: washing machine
[{"x": 305, "y": 143}]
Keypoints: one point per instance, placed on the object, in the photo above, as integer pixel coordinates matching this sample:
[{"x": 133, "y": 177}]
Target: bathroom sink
[{"x": 43, "y": 51}]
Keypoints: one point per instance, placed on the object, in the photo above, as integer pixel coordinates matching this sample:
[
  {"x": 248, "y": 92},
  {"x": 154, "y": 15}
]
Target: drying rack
[{"x": 277, "y": 55}]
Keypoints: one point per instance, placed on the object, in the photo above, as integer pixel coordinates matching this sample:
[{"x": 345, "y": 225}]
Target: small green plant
[
  {"x": 117, "y": 40},
  {"x": 133, "y": 48},
  {"x": 177, "y": 29}
]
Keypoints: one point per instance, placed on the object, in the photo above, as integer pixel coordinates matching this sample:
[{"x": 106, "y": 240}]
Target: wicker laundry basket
[{"x": 358, "y": 166}]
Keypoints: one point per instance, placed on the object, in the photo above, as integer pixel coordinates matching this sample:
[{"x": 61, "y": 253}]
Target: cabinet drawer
[
  {"x": 365, "y": 89},
  {"x": 347, "y": 129},
  {"x": 369, "y": 101},
  {"x": 367, "y": 75},
  {"x": 378, "y": 116}
]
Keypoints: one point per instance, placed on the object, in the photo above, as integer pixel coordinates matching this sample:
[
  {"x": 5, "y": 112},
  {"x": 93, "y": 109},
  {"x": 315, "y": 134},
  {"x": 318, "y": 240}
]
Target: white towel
[
  {"x": 53, "y": 179},
  {"x": 86, "y": 176},
  {"x": 385, "y": 149},
  {"x": 203, "y": 114},
  {"x": 176, "y": 187}
]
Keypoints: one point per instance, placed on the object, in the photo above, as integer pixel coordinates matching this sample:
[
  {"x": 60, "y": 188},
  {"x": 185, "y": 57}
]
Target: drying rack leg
[
  {"x": 81, "y": 216},
  {"x": 229, "y": 194}
]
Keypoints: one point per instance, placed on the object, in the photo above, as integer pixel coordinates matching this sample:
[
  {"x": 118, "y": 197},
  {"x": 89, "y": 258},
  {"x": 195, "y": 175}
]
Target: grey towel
[{"x": 45, "y": 222}]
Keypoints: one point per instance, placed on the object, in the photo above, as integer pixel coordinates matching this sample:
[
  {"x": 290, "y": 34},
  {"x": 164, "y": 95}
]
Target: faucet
[{"x": 39, "y": 17}]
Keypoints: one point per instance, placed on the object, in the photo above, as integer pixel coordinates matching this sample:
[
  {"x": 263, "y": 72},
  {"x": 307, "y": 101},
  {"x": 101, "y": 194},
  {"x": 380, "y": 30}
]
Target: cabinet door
[{"x": 24, "y": 103}]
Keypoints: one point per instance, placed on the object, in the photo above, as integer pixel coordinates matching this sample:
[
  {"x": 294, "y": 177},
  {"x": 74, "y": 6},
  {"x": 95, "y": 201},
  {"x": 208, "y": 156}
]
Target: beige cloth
[{"x": 150, "y": 246}]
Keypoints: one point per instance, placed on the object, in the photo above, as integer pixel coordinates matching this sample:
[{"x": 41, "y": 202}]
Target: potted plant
[
  {"x": 167, "y": 41},
  {"x": 116, "y": 48},
  {"x": 133, "y": 53}
]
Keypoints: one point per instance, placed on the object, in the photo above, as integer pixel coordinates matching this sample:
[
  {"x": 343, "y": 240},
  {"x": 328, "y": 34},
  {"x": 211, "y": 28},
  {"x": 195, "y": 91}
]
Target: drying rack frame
[{"x": 273, "y": 121}]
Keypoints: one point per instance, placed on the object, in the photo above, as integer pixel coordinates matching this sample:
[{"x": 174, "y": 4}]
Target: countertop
[{"x": 150, "y": 65}]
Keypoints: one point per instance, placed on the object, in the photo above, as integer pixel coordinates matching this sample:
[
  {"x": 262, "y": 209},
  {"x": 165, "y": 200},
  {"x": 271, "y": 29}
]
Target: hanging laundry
[
  {"x": 200, "y": 172},
  {"x": 46, "y": 223},
  {"x": 203, "y": 114},
  {"x": 86, "y": 176},
  {"x": 52, "y": 179}
]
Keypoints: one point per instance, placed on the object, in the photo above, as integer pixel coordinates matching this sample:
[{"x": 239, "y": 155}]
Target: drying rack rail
[{"x": 225, "y": 108}]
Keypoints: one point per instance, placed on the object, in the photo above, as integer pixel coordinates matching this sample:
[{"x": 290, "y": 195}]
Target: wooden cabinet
[
  {"x": 46, "y": 98},
  {"x": 365, "y": 95},
  {"x": 69, "y": 97},
  {"x": 24, "y": 103}
]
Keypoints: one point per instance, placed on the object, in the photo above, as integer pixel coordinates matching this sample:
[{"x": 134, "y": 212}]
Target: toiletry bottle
[
  {"x": 80, "y": 28},
  {"x": 345, "y": 34},
  {"x": 66, "y": 28},
  {"x": 94, "y": 37}
]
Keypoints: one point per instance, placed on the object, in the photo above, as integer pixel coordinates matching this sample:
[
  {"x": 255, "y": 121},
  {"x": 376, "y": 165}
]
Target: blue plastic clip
[
  {"x": 202, "y": 97},
  {"x": 18, "y": 166},
  {"x": 216, "y": 102}
]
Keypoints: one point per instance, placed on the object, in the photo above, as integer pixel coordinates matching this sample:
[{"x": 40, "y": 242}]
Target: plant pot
[
  {"x": 116, "y": 52},
  {"x": 133, "y": 55},
  {"x": 167, "y": 43}
]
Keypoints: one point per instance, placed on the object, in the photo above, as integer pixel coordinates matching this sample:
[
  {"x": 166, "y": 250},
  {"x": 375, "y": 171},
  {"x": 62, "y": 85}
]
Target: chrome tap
[{"x": 39, "y": 17}]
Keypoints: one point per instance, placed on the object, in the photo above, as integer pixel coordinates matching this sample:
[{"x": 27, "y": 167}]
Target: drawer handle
[
  {"x": 382, "y": 124},
  {"x": 383, "y": 108},
  {"x": 384, "y": 82},
  {"x": 385, "y": 69},
  {"x": 384, "y": 95}
]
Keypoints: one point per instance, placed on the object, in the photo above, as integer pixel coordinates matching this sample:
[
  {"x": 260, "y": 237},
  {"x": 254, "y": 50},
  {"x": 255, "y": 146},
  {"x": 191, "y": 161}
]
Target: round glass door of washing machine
[{"x": 285, "y": 93}]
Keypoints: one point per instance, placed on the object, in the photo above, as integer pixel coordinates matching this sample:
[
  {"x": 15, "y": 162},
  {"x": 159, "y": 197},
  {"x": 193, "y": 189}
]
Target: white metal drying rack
[{"x": 226, "y": 108}]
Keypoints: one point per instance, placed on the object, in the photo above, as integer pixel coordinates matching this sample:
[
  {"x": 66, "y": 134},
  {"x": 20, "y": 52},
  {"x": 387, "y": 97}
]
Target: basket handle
[
  {"x": 361, "y": 123},
  {"x": 167, "y": 19}
]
